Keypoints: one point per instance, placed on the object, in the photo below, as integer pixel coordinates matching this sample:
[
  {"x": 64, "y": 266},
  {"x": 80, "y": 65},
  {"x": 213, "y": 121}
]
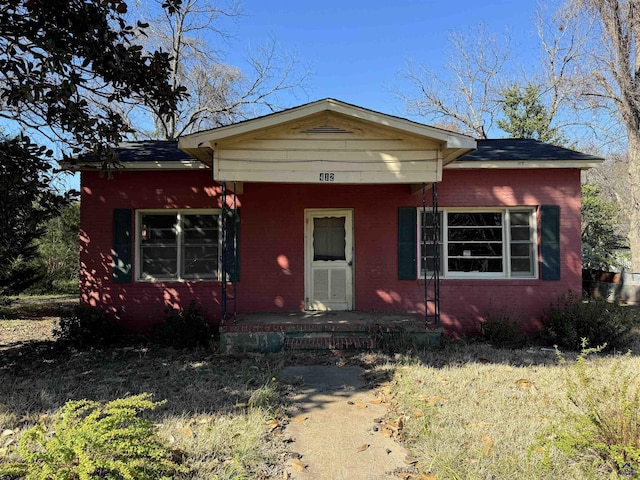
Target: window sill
[
  {"x": 176, "y": 280},
  {"x": 477, "y": 281}
]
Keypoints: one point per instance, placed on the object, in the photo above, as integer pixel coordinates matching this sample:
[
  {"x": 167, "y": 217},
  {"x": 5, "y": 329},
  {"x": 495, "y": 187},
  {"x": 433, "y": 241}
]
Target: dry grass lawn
[{"x": 467, "y": 411}]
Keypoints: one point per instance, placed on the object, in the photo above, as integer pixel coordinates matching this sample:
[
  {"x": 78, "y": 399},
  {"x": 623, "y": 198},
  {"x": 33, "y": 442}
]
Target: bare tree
[
  {"x": 614, "y": 49},
  {"x": 219, "y": 93},
  {"x": 613, "y": 181},
  {"x": 467, "y": 92}
]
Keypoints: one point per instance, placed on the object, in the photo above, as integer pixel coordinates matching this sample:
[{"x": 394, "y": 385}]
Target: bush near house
[
  {"x": 186, "y": 328},
  {"x": 573, "y": 320},
  {"x": 84, "y": 326},
  {"x": 501, "y": 331}
]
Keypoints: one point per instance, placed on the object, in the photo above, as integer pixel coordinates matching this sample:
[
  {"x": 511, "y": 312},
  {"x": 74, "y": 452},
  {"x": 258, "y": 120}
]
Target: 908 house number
[{"x": 327, "y": 177}]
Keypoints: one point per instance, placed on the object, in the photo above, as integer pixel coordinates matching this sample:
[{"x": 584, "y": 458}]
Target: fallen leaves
[
  {"x": 524, "y": 384},
  {"x": 392, "y": 428},
  {"x": 487, "y": 443},
  {"x": 362, "y": 447},
  {"x": 433, "y": 400},
  {"x": 273, "y": 424},
  {"x": 299, "y": 418},
  {"x": 298, "y": 465}
]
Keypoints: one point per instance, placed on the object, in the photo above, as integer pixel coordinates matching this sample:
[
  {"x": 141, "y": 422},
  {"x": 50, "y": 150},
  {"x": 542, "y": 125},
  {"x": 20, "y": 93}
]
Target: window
[
  {"x": 178, "y": 245},
  {"x": 480, "y": 243},
  {"x": 329, "y": 238}
]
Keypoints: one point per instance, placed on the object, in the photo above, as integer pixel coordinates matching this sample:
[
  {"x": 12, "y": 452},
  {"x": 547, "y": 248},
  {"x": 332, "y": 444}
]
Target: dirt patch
[
  {"x": 14, "y": 332},
  {"x": 31, "y": 319}
]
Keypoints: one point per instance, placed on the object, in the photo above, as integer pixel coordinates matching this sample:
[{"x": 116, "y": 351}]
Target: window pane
[
  {"x": 521, "y": 250},
  {"x": 201, "y": 260},
  {"x": 159, "y": 229},
  {"x": 475, "y": 265},
  {"x": 519, "y": 218},
  {"x": 466, "y": 234},
  {"x": 475, "y": 219},
  {"x": 200, "y": 228},
  {"x": 329, "y": 238},
  {"x": 200, "y": 246},
  {"x": 159, "y": 261},
  {"x": 521, "y": 266},
  {"x": 475, "y": 249},
  {"x": 520, "y": 233},
  {"x": 159, "y": 240}
]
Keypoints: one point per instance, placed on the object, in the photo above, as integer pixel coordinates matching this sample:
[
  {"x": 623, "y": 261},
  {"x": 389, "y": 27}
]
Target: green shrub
[
  {"x": 597, "y": 321},
  {"x": 501, "y": 331},
  {"x": 84, "y": 326},
  {"x": 605, "y": 421},
  {"x": 87, "y": 440},
  {"x": 186, "y": 328}
]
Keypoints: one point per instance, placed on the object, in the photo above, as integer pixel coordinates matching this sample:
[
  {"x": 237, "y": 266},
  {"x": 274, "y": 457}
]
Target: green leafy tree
[
  {"x": 27, "y": 203},
  {"x": 58, "y": 250},
  {"x": 600, "y": 238},
  {"x": 56, "y": 55},
  {"x": 64, "y": 65},
  {"x": 526, "y": 116}
]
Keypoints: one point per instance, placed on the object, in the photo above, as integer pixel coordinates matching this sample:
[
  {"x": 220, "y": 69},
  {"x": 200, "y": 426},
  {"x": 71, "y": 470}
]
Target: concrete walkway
[{"x": 337, "y": 440}]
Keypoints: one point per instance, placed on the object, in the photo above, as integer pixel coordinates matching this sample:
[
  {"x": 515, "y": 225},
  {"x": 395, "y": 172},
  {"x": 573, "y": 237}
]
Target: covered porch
[{"x": 335, "y": 161}]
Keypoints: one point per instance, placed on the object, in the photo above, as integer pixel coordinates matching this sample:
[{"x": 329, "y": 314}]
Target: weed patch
[
  {"x": 603, "y": 421},
  {"x": 89, "y": 440}
]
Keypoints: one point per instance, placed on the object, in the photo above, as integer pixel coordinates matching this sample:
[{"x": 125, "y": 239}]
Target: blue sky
[{"x": 357, "y": 49}]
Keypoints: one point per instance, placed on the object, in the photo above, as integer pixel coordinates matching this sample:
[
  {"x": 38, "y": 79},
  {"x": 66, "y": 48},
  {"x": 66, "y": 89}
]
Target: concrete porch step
[
  {"x": 330, "y": 331},
  {"x": 329, "y": 341}
]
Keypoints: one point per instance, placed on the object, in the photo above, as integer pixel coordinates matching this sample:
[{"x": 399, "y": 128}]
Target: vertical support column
[
  {"x": 234, "y": 278},
  {"x": 229, "y": 255},
  {"x": 223, "y": 255},
  {"x": 436, "y": 254},
  {"x": 432, "y": 282}
]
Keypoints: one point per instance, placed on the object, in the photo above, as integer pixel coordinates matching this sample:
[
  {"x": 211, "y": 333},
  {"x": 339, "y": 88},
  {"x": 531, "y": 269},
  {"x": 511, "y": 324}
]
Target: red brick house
[{"x": 332, "y": 206}]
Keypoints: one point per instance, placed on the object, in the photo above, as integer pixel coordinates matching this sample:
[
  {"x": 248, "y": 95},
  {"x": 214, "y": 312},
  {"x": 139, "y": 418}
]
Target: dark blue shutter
[
  {"x": 407, "y": 243},
  {"x": 232, "y": 264},
  {"x": 550, "y": 242},
  {"x": 122, "y": 224}
]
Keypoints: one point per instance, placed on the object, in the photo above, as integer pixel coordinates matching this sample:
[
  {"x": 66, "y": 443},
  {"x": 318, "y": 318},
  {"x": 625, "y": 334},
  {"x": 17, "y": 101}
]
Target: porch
[{"x": 327, "y": 330}]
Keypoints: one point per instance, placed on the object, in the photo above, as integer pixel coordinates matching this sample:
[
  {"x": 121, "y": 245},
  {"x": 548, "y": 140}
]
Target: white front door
[{"x": 328, "y": 259}]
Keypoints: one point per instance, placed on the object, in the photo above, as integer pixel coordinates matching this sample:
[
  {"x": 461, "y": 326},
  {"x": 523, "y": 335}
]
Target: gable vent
[{"x": 326, "y": 129}]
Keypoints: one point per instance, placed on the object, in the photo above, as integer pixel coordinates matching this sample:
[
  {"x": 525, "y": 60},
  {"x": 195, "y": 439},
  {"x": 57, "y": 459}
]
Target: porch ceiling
[{"x": 327, "y": 141}]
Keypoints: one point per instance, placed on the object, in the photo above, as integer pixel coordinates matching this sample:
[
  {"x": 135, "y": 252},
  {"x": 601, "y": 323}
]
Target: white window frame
[
  {"x": 140, "y": 277},
  {"x": 506, "y": 244}
]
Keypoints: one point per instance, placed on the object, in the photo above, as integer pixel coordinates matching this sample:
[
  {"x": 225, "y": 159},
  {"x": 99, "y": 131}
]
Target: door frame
[{"x": 309, "y": 214}]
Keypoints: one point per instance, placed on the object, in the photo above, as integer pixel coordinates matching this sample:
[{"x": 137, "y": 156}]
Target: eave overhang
[{"x": 327, "y": 141}]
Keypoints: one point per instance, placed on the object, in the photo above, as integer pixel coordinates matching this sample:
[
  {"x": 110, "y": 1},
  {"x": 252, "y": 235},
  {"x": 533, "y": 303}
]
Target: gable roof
[
  {"x": 332, "y": 105},
  {"x": 327, "y": 140}
]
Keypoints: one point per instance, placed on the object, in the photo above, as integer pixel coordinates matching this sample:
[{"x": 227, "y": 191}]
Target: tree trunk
[{"x": 634, "y": 212}]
